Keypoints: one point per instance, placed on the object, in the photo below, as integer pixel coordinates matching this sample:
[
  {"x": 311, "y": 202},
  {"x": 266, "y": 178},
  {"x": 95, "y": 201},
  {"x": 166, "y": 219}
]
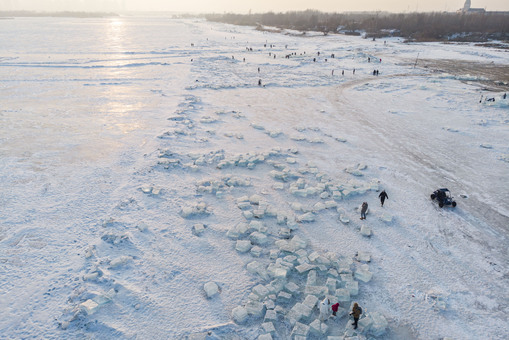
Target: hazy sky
[{"x": 243, "y": 6}]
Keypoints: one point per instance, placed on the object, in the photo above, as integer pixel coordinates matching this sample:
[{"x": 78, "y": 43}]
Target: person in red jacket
[{"x": 334, "y": 308}]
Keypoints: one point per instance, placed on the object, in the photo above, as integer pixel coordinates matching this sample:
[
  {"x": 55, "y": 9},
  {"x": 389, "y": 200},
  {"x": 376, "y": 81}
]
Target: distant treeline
[
  {"x": 69, "y": 14},
  {"x": 412, "y": 26}
]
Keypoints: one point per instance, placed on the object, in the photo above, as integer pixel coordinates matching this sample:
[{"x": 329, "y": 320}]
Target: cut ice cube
[
  {"x": 243, "y": 246},
  {"x": 316, "y": 290},
  {"x": 261, "y": 291},
  {"x": 255, "y": 308},
  {"x": 211, "y": 289},
  {"x": 256, "y": 251},
  {"x": 239, "y": 314},
  {"x": 292, "y": 288},
  {"x": 198, "y": 229},
  {"x": 353, "y": 287},
  {"x": 379, "y": 324},
  {"x": 120, "y": 261},
  {"x": 366, "y": 231},
  {"x": 300, "y": 329},
  {"x": 310, "y": 301},
  {"x": 258, "y": 238},
  {"x": 89, "y": 306},
  {"x": 363, "y": 275},
  {"x": 342, "y": 294},
  {"x": 307, "y": 217},
  {"x": 268, "y": 327}
]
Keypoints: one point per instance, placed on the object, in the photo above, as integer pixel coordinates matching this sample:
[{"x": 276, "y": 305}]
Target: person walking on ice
[
  {"x": 364, "y": 208},
  {"x": 356, "y": 313},
  {"x": 383, "y": 196},
  {"x": 335, "y": 308},
  {"x": 324, "y": 309}
]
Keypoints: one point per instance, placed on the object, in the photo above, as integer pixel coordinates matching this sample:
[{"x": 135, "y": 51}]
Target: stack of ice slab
[
  {"x": 242, "y": 160},
  {"x": 352, "y": 187},
  {"x": 195, "y": 209},
  {"x": 326, "y": 276},
  {"x": 292, "y": 245},
  {"x": 238, "y": 230},
  {"x": 282, "y": 293},
  {"x": 285, "y": 175}
]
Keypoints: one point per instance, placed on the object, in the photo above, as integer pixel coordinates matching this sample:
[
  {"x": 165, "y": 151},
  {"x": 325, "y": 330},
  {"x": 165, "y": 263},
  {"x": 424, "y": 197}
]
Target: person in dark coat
[
  {"x": 363, "y": 210},
  {"x": 383, "y": 196},
  {"x": 356, "y": 313}
]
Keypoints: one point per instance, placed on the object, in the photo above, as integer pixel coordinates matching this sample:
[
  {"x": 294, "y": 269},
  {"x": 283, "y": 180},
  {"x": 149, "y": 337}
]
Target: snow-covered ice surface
[{"x": 151, "y": 188}]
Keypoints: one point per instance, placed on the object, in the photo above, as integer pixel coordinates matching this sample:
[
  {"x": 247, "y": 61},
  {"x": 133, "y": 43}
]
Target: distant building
[{"x": 468, "y": 9}]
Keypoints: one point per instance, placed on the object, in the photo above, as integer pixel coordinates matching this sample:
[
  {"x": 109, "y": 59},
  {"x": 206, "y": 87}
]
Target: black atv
[{"x": 443, "y": 196}]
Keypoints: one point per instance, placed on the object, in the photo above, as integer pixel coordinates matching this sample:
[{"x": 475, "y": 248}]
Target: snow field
[{"x": 217, "y": 207}]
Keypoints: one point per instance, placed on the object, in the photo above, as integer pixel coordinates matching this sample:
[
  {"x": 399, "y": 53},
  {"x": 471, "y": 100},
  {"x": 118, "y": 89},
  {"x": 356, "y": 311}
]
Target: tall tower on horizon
[{"x": 467, "y": 5}]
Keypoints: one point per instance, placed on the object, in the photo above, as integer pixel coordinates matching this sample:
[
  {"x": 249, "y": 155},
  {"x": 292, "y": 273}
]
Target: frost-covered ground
[{"x": 140, "y": 160}]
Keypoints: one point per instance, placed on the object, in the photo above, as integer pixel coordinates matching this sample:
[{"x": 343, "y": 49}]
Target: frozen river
[{"x": 116, "y": 132}]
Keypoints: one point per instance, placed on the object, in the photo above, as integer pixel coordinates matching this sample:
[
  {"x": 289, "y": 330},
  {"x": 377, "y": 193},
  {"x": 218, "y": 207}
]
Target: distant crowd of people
[{"x": 293, "y": 54}]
